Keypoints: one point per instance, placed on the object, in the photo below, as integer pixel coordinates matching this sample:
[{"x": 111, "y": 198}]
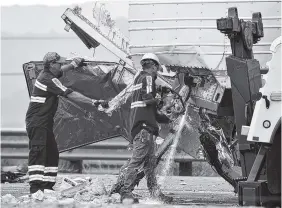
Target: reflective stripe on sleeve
[
  {"x": 138, "y": 104},
  {"x": 40, "y": 85},
  {"x": 37, "y": 99},
  {"x": 59, "y": 84},
  {"x": 136, "y": 87},
  {"x": 149, "y": 84}
]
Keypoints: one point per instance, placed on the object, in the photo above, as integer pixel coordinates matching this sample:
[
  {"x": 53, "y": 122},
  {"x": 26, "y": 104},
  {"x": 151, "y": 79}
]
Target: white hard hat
[{"x": 150, "y": 56}]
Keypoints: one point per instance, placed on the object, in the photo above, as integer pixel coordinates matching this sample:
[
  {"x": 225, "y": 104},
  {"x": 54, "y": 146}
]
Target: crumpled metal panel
[
  {"x": 79, "y": 124},
  {"x": 184, "y": 32}
]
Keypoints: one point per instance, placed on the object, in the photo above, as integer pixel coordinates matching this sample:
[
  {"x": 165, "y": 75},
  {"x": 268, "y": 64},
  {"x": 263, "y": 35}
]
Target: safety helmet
[{"x": 150, "y": 56}]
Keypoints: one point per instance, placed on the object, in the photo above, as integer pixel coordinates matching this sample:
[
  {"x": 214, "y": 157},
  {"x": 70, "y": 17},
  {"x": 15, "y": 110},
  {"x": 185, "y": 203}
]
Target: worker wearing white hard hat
[
  {"x": 143, "y": 122},
  {"x": 151, "y": 57}
]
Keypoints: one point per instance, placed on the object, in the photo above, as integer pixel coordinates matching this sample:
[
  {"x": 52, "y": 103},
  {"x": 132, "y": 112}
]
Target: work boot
[
  {"x": 165, "y": 199},
  {"x": 128, "y": 198},
  {"x": 157, "y": 194}
]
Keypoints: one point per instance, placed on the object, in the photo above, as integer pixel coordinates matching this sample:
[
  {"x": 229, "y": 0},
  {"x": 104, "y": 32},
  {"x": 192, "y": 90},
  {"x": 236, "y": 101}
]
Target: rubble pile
[
  {"x": 67, "y": 192},
  {"x": 8, "y": 199}
]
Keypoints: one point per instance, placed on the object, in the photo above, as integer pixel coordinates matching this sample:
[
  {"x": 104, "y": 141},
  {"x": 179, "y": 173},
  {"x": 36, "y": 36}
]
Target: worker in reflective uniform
[
  {"x": 144, "y": 127},
  {"x": 43, "y": 151}
]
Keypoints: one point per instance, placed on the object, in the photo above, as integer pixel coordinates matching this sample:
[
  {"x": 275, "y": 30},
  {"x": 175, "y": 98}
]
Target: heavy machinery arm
[{"x": 244, "y": 73}]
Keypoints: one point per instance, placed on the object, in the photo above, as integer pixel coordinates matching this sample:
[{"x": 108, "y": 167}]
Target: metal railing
[
  {"x": 102, "y": 151},
  {"x": 82, "y": 156},
  {"x": 13, "y": 132}
]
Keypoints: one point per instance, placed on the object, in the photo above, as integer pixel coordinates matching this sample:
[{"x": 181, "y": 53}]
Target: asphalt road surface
[{"x": 186, "y": 191}]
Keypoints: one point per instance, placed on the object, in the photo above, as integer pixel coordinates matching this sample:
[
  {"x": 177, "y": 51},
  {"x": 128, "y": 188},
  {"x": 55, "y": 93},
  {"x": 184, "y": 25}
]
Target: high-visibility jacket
[
  {"x": 142, "y": 115},
  {"x": 44, "y": 100}
]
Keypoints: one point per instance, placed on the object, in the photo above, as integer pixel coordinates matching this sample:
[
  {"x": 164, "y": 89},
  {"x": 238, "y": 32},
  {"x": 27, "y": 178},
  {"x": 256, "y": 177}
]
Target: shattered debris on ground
[
  {"x": 199, "y": 190},
  {"x": 8, "y": 199},
  {"x": 67, "y": 192}
]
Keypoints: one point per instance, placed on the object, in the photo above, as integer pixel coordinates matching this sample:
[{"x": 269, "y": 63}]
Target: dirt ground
[{"x": 186, "y": 191}]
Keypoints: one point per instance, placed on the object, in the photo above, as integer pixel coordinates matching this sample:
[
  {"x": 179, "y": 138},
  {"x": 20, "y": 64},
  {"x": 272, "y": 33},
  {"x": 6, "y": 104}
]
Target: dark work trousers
[
  {"x": 143, "y": 156},
  {"x": 43, "y": 159}
]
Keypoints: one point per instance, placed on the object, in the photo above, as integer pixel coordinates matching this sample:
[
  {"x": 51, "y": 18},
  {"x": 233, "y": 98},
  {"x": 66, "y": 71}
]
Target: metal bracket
[
  {"x": 267, "y": 102},
  {"x": 258, "y": 164}
]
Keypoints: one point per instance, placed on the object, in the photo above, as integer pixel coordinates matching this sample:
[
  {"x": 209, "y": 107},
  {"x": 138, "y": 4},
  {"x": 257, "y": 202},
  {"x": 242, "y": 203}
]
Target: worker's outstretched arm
[
  {"x": 56, "y": 87},
  {"x": 76, "y": 62},
  {"x": 79, "y": 98},
  {"x": 67, "y": 67}
]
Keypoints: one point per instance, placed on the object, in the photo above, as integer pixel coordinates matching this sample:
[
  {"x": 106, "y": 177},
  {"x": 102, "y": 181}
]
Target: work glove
[
  {"x": 159, "y": 140},
  {"x": 103, "y": 103},
  {"x": 77, "y": 62}
]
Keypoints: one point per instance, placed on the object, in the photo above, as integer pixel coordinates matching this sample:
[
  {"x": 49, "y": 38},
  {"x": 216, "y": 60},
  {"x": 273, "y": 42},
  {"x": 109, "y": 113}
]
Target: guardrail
[
  {"x": 99, "y": 145},
  {"x": 185, "y": 161},
  {"x": 13, "y": 132},
  {"x": 83, "y": 156}
]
